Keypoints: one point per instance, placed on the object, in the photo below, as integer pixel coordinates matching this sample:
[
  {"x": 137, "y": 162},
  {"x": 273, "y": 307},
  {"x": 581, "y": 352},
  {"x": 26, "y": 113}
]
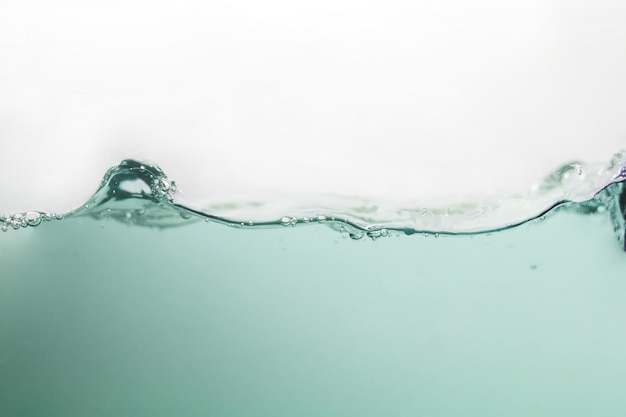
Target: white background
[{"x": 389, "y": 100}]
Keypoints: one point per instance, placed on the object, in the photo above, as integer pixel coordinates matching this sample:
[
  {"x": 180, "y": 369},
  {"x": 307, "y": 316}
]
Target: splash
[{"x": 140, "y": 193}]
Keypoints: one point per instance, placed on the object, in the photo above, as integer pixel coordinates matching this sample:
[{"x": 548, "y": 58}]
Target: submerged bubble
[{"x": 321, "y": 218}]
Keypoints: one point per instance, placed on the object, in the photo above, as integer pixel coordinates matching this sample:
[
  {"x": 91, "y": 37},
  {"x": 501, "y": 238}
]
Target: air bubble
[
  {"x": 33, "y": 218},
  {"x": 163, "y": 188},
  {"x": 288, "y": 221},
  {"x": 321, "y": 218},
  {"x": 375, "y": 234}
]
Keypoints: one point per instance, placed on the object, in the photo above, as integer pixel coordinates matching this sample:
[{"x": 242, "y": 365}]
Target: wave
[{"x": 140, "y": 193}]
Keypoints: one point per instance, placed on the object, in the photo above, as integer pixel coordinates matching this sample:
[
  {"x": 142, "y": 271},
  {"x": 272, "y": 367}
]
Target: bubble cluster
[
  {"x": 30, "y": 218},
  {"x": 163, "y": 188},
  {"x": 134, "y": 179},
  {"x": 378, "y": 233},
  {"x": 288, "y": 221},
  {"x": 342, "y": 225}
]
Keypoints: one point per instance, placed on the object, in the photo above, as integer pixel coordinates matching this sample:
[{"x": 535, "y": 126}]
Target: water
[{"x": 137, "y": 305}]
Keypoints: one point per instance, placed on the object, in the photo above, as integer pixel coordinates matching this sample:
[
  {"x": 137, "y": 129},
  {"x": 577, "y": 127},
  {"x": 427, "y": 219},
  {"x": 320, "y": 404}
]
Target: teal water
[{"x": 135, "y": 306}]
